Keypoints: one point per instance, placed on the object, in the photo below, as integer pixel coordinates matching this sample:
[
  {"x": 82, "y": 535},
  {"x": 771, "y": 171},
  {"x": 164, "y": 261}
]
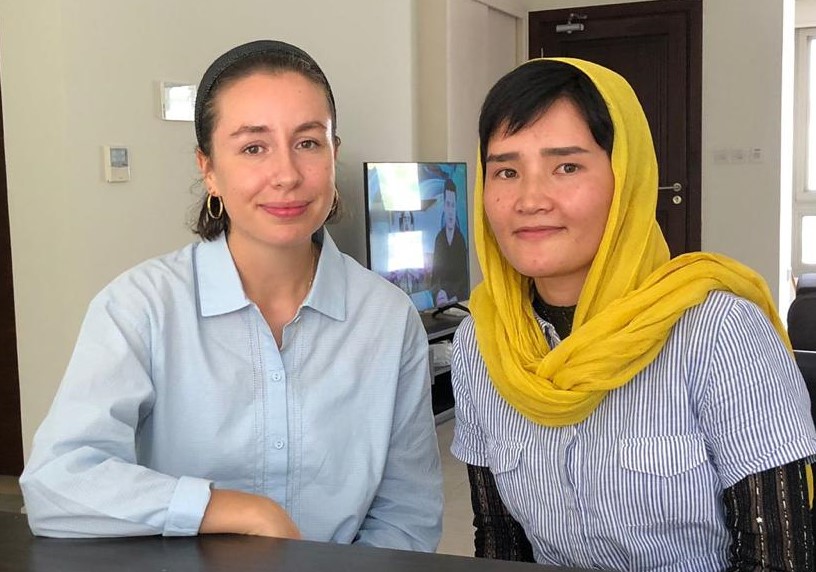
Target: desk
[
  {"x": 439, "y": 328},
  {"x": 21, "y": 551}
]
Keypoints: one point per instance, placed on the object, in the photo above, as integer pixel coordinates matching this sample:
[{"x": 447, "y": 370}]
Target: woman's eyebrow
[
  {"x": 249, "y": 129},
  {"x": 544, "y": 152},
  {"x": 307, "y": 126},
  {"x": 502, "y": 157},
  {"x": 562, "y": 151}
]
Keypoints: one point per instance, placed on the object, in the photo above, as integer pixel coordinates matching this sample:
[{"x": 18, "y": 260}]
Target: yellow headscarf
[{"x": 632, "y": 296}]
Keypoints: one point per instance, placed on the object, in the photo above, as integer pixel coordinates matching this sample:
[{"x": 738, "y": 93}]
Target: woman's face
[
  {"x": 272, "y": 161},
  {"x": 547, "y": 194}
]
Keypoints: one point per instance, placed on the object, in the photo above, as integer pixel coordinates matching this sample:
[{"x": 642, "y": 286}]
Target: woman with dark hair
[
  {"x": 617, "y": 410},
  {"x": 229, "y": 387}
]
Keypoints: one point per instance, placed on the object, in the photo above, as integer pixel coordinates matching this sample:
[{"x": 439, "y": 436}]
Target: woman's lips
[
  {"x": 285, "y": 210},
  {"x": 537, "y": 232}
]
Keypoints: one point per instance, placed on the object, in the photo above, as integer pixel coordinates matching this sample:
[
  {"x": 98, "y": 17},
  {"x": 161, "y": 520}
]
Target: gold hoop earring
[
  {"x": 335, "y": 204},
  {"x": 210, "y": 209}
]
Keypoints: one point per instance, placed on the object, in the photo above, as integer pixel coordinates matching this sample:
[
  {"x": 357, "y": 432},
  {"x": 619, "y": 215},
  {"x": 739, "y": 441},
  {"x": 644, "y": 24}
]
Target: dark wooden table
[{"x": 20, "y": 550}]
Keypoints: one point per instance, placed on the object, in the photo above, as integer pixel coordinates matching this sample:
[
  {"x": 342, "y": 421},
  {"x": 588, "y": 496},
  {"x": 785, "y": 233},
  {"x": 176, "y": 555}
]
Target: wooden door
[
  {"x": 11, "y": 439},
  {"x": 657, "y": 47}
]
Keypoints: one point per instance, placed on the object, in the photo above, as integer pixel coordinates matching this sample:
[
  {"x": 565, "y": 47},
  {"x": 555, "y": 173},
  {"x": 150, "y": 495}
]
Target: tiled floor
[{"x": 457, "y": 527}]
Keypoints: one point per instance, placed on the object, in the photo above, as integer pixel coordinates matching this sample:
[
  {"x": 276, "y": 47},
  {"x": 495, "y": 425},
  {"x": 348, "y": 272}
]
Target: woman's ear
[
  {"x": 205, "y": 167},
  {"x": 337, "y": 142}
]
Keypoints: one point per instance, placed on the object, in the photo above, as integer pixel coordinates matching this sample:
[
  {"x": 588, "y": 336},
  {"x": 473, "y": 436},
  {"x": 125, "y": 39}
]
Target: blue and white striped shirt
[
  {"x": 638, "y": 485},
  {"x": 177, "y": 384}
]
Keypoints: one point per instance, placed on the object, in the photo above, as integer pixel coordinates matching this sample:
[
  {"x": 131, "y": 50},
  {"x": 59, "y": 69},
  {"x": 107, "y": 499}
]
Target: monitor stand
[{"x": 456, "y": 305}]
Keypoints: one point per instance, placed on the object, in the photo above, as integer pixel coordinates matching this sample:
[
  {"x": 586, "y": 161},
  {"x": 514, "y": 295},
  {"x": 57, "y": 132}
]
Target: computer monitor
[{"x": 417, "y": 229}]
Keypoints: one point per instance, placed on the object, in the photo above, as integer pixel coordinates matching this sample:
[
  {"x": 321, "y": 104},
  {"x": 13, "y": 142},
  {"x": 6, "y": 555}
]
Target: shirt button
[
  {"x": 276, "y": 376},
  {"x": 279, "y": 444}
]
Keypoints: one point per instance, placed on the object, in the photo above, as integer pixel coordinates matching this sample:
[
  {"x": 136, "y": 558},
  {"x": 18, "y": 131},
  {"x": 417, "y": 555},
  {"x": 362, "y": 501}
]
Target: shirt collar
[
  {"x": 328, "y": 295},
  {"x": 219, "y": 286},
  {"x": 220, "y": 290}
]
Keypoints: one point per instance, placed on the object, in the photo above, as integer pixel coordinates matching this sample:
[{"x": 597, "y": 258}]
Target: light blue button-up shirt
[
  {"x": 638, "y": 485},
  {"x": 176, "y": 384}
]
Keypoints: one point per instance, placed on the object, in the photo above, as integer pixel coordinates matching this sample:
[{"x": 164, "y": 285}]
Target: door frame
[{"x": 11, "y": 440}]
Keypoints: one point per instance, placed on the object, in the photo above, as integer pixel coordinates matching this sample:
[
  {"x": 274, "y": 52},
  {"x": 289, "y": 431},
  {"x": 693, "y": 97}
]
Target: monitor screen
[{"x": 417, "y": 229}]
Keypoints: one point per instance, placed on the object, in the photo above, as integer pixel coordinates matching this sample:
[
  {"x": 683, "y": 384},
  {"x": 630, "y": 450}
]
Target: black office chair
[
  {"x": 802, "y": 314},
  {"x": 806, "y": 360}
]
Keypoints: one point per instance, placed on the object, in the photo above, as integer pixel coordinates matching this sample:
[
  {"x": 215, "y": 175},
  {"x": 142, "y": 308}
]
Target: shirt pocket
[
  {"x": 504, "y": 458},
  {"x": 665, "y": 479}
]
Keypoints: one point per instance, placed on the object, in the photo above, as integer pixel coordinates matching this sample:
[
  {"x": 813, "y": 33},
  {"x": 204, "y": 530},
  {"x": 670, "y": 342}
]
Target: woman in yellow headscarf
[{"x": 617, "y": 410}]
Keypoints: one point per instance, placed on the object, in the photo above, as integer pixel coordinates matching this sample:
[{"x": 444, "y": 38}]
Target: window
[
  {"x": 808, "y": 236},
  {"x": 804, "y": 170}
]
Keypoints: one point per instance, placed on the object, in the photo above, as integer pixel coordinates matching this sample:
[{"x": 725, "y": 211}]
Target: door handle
[{"x": 677, "y": 187}]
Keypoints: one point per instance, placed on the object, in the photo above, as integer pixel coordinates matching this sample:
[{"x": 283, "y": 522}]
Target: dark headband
[{"x": 238, "y": 54}]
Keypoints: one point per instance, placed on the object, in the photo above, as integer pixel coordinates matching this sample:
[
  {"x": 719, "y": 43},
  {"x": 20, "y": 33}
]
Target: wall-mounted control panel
[{"x": 117, "y": 163}]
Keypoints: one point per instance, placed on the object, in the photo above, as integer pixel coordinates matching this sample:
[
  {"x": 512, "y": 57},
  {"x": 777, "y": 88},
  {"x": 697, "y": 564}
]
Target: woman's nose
[
  {"x": 283, "y": 171},
  {"x": 535, "y": 194}
]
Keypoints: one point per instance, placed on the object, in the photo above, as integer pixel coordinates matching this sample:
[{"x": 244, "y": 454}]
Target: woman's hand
[{"x": 243, "y": 513}]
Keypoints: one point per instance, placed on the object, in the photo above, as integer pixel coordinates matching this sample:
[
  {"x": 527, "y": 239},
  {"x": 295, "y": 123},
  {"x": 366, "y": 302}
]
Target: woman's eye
[
  {"x": 567, "y": 168},
  {"x": 506, "y": 174},
  {"x": 308, "y": 144},
  {"x": 252, "y": 149}
]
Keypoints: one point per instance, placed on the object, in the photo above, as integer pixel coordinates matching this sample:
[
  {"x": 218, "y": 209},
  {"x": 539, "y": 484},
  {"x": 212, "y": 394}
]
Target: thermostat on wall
[{"x": 117, "y": 164}]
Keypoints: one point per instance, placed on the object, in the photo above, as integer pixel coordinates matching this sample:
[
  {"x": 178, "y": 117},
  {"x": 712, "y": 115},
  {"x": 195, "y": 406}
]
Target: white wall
[
  {"x": 482, "y": 47},
  {"x": 78, "y": 74},
  {"x": 805, "y": 13},
  {"x": 463, "y": 47},
  {"x": 742, "y": 209}
]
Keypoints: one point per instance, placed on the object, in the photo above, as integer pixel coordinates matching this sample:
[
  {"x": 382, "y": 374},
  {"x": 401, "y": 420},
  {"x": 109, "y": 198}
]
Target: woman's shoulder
[
  {"x": 719, "y": 305},
  {"x": 466, "y": 332},
  {"x": 160, "y": 278},
  {"x": 464, "y": 340},
  {"x": 724, "y": 324}
]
